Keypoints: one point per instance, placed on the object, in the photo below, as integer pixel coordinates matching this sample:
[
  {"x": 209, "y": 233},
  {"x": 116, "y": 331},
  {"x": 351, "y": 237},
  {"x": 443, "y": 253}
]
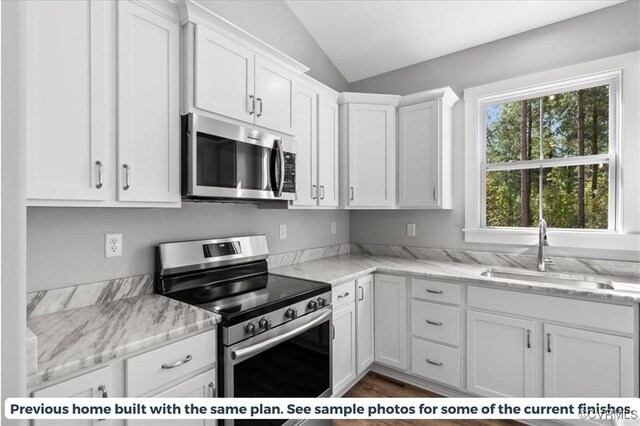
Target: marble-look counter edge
[{"x": 455, "y": 272}]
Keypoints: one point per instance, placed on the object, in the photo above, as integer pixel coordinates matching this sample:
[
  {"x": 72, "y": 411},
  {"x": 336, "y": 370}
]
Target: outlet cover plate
[
  {"x": 333, "y": 228},
  {"x": 411, "y": 229},
  {"x": 112, "y": 245},
  {"x": 283, "y": 232}
]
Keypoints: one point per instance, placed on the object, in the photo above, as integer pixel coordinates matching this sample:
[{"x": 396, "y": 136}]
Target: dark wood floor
[{"x": 375, "y": 385}]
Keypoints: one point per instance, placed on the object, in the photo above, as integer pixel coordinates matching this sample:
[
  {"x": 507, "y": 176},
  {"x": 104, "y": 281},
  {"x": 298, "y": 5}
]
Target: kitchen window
[{"x": 553, "y": 142}]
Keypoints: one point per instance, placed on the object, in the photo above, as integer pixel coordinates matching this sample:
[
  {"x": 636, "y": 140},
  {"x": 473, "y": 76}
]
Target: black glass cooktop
[{"x": 242, "y": 299}]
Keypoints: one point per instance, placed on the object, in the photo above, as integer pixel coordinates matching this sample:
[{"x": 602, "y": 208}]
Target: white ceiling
[{"x": 367, "y": 38}]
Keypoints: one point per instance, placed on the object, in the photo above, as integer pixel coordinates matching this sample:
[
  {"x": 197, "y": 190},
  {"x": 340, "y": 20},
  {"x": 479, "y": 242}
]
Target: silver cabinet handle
[
  {"x": 549, "y": 342},
  {"x": 252, "y": 99},
  {"x": 177, "y": 363},
  {"x": 127, "y": 176},
  {"x": 361, "y": 293},
  {"x": 314, "y": 192},
  {"x": 322, "y": 192},
  {"x": 340, "y": 296},
  {"x": 351, "y": 193},
  {"x": 260, "y": 113},
  {"x": 436, "y": 363},
  {"x": 434, "y": 291},
  {"x": 213, "y": 389},
  {"x": 434, "y": 322},
  {"x": 528, "y": 339},
  {"x": 333, "y": 332},
  {"x": 435, "y": 193},
  {"x": 103, "y": 391},
  {"x": 100, "y": 179}
]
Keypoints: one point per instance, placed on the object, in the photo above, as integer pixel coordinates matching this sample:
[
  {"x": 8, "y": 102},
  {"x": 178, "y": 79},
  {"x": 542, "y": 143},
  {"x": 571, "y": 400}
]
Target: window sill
[{"x": 558, "y": 238}]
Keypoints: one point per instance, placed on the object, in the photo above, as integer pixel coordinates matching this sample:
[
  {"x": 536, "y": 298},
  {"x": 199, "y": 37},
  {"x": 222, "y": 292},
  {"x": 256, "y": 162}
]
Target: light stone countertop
[
  {"x": 340, "y": 269},
  {"x": 71, "y": 340}
]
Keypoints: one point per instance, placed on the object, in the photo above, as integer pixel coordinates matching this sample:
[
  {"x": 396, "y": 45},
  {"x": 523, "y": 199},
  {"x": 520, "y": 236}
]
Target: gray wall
[
  {"x": 275, "y": 24},
  {"x": 607, "y": 32},
  {"x": 66, "y": 245}
]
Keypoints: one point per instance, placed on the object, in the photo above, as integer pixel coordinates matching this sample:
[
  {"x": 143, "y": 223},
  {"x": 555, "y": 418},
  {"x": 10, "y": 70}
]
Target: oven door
[
  {"x": 224, "y": 160},
  {"x": 289, "y": 361}
]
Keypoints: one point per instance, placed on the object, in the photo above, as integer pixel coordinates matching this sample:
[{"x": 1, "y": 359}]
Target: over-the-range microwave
[{"x": 224, "y": 161}]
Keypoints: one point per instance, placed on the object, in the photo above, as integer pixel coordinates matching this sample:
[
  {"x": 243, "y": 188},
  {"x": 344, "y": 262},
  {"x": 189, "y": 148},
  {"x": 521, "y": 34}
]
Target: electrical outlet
[
  {"x": 112, "y": 245},
  {"x": 283, "y": 231},
  {"x": 333, "y": 227},
  {"x": 411, "y": 229}
]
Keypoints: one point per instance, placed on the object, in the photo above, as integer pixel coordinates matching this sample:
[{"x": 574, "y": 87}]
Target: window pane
[
  {"x": 513, "y": 131},
  {"x": 576, "y": 123},
  {"x": 563, "y": 207},
  {"x": 505, "y": 195}
]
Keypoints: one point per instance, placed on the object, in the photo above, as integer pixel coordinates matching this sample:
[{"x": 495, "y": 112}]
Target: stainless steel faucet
[{"x": 542, "y": 242}]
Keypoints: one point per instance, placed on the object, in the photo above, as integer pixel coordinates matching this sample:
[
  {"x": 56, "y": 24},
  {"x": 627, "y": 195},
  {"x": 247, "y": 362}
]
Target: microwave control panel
[{"x": 289, "y": 173}]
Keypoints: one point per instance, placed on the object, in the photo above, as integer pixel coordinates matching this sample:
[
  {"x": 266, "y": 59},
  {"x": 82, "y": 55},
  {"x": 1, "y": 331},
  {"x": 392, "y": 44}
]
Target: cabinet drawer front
[
  {"x": 435, "y": 322},
  {"x": 436, "y": 291},
  {"x": 435, "y": 362},
  {"x": 581, "y": 312},
  {"x": 343, "y": 294},
  {"x": 145, "y": 371}
]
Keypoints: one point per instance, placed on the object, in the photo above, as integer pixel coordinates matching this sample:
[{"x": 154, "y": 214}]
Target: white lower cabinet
[
  {"x": 364, "y": 323},
  {"x": 200, "y": 386},
  {"x": 579, "y": 363},
  {"x": 436, "y": 362},
  {"x": 391, "y": 321},
  {"x": 344, "y": 347},
  {"x": 95, "y": 384},
  {"x": 500, "y": 355}
]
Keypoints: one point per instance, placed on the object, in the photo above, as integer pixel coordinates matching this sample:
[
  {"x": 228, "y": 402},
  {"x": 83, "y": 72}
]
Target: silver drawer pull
[
  {"x": 127, "y": 177},
  {"x": 434, "y": 322},
  {"x": 340, "y": 296},
  {"x": 177, "y": 363},
  {"x": 434, "y": 291},
  {"x": 213, "y": 389},
  {"x": 100, "y": 179},
  {"x": 436, "y": 363},
  {"x": 103, "y": 391}
]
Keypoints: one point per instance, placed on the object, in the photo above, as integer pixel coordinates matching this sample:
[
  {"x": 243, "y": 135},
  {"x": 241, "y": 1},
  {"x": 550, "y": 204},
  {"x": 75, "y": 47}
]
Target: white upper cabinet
[
  {"x": 316, "y": 135},
  {"x": 424, "y": 149},
  {"x": 102, "y": 91},
  {"x": 67, "y": 84},
  {"x": 368, "y": 128},
  {"x": 230, "y": 74},
  {"x": 148, "y": 116},
  {"x": 224, "y": 80}
]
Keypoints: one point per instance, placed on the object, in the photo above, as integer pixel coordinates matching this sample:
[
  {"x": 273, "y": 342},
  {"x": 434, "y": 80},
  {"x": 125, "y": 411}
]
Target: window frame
[
  {"x": 624, "y": 234},
  {"x": 610, "y": 78}
]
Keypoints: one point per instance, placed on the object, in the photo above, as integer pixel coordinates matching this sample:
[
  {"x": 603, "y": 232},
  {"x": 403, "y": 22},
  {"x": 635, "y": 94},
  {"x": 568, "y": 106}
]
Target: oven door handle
[{"x": 242, "y": 354}]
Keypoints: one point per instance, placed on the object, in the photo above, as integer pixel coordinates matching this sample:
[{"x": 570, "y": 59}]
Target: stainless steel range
[{"x": 275, "y": 335}]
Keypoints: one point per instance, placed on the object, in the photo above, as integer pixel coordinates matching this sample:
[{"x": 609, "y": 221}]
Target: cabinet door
[
  {"x": 500, "y": 355},
  {"x": 419, "y": 155},
  {"x": 68, "y": 82},
  {"x": 201, "y": 386},
  {"x": 586, "y": 364},
  {"x": 95, "y": 384},
  {"x": 372, "y": 159},
  {"x": 344, "y": 347},
  {"x": 305, "y": 129},
  {"x": 327, "y": 152},
  {"x": 148, "y": 117},
  {"x": 364, "y": 323},
  {"x": 391, "y": 320},
  {"x": 224, "y": 76},
  {"x": 274, "y": 95}
]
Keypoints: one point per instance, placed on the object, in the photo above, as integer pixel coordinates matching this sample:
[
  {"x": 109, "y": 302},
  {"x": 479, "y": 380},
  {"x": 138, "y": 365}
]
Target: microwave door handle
[
  {"x": 281, "y": 154},
  {"x": 241, "y": 354}
]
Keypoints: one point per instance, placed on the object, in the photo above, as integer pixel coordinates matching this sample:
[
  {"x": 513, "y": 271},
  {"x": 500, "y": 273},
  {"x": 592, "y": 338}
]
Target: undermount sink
[{"x": 551, "y": 278}]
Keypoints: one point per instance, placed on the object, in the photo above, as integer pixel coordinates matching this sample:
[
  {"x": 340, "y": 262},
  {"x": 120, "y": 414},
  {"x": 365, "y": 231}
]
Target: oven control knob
[
  {"x": 313, "y": 305},
  {"x": 265, "y": 323},
  {"x": 251, "y": 328},
  {"x": 322, "y": 302},
  {"x": 292, "y": 313}
]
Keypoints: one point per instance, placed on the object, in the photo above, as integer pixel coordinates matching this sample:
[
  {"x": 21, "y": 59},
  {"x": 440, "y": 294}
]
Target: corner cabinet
[
  {"x": 424, "y": 149},
  {"x": 391, "y": 320},
  {"x": 101, "y": 90},
  {"x": 368, "y": 151},
  {"x": 316, "y": 136},
  {"x": 232, "y": 75}
]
